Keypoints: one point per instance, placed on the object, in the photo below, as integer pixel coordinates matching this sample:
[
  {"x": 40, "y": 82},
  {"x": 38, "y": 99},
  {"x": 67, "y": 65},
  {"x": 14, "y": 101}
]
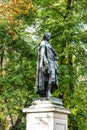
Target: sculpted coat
[{"x": 47, "y": 69}]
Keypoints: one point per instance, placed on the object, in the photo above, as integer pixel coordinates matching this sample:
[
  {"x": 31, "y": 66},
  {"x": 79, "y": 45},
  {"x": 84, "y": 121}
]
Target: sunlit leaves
[
  {"x": 13, "y": 13},
  {"x": 67, "y": 22}
]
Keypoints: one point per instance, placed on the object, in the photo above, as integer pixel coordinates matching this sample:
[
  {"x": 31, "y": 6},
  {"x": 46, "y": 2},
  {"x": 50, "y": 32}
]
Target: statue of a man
[{"x": 47, "y": 69}]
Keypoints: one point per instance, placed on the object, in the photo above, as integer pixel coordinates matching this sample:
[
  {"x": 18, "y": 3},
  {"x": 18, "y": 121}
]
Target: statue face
[{"x": 47, "y": 36}]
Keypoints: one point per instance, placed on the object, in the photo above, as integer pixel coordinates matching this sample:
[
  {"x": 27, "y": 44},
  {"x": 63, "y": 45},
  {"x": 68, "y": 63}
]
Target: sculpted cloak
[{"x": 47, "y": 70}]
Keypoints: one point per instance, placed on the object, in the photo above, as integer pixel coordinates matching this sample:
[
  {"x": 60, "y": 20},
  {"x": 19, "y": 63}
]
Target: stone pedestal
[{"x": 46, "y": 115}]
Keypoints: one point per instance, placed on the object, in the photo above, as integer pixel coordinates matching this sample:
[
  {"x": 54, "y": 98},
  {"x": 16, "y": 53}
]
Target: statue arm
[
  {"x": 42, "y": 51},
  {"x": 55, "y": 54}
]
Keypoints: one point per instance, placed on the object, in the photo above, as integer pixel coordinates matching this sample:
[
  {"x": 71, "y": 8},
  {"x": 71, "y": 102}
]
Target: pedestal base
[{"x": 46, "y": 115}]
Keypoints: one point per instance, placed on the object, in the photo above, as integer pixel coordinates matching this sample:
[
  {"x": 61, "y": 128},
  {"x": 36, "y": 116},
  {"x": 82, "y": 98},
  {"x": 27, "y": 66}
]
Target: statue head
[{"x": 46, "y": 36}]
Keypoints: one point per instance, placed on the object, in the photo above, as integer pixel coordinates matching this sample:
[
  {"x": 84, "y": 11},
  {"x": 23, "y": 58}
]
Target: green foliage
[
  {"x": 17, "y": 77},
  {"x": 17, "y": 74},
  {"x": 67, "y": 23}
]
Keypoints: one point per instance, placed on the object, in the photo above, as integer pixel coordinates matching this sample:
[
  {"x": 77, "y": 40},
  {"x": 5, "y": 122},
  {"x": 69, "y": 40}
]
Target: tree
[
  {"x": 65, "y": 19},
  {"x": 17, "y": 70}
]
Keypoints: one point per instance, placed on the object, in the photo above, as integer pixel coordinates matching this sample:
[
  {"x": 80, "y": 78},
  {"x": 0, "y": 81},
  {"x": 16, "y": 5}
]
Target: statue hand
[
  {"x": 49, "y": 71},
  {"x": 45, "y": 69}
]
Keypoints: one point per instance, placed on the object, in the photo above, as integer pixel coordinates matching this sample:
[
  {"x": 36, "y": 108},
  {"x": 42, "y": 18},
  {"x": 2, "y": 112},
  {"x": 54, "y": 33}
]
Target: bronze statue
[{"x": 47, "y": 69}]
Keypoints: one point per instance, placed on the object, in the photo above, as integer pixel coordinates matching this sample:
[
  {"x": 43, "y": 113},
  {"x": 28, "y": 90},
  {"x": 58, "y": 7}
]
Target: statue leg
[
  {"x": 49, "y": 89},
  {"x": 46, "y": 89}
]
